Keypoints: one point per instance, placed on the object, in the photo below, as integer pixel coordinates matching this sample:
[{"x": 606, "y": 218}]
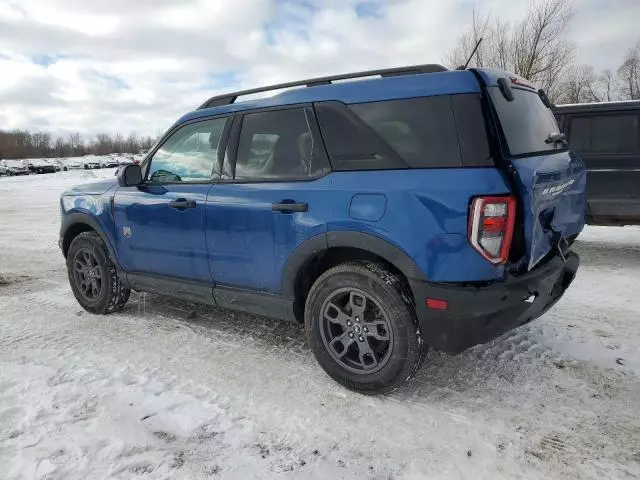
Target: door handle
[
  {"x": 286, "y": 207},
  {"x": 182, "y": 204}
]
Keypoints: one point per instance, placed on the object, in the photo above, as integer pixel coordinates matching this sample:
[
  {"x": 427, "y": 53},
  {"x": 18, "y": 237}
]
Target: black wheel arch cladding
[
  {"x": 75, "y": 223},
  {"x": 318, "y": 244}
]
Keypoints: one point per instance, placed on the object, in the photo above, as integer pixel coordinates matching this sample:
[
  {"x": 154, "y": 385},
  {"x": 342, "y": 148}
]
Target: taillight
[{"x": 491, "y": 223}]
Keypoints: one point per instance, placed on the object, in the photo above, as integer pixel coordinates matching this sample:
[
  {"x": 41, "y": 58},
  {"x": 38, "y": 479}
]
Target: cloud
[{"x": 121, "y": 65}]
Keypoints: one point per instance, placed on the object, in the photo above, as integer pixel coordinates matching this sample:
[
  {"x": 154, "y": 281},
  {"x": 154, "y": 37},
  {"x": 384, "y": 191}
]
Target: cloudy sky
[{"x": 136, "y": 65}]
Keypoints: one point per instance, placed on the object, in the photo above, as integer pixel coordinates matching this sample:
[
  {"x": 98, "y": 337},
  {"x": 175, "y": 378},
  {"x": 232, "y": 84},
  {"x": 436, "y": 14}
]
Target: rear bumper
[{"x": 477, "y": 315}]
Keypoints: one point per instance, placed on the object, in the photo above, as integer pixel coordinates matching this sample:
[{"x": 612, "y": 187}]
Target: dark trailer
[{"x": 607, "y": 137}]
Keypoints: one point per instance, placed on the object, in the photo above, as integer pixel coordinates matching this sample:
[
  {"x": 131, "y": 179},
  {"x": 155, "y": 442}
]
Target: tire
[
  {"x": 382, "y": 370},
  {"x": 110, "y": 294}
]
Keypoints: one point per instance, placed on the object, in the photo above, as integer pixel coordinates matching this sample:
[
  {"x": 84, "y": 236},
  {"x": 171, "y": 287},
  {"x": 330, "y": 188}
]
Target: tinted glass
[
  {"x": 351, "y": 144},
  {"x": 580, "y": 134},
  {"x": 472, "y": 130},
  {"x": 278, "y": 144},
  {"x": 605, "y": 134},
  {"x": 189, "y": 154},
  {"x": 525, "y": 121},
  {"x": 422, "y": 131}
]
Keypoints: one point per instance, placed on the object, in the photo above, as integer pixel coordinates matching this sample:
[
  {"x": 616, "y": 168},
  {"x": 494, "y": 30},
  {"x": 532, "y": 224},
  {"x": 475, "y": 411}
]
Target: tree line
[
  {"x": 537, "y": 48},
  {"x": 24, "y": 144}
]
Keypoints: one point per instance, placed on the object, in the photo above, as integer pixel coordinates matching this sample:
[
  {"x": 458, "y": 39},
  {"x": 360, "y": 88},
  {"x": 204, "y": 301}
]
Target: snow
[{"x": 169, "y": 389}]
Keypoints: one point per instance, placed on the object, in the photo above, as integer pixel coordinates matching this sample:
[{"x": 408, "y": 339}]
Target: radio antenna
[{"x": 475, "y": 49}]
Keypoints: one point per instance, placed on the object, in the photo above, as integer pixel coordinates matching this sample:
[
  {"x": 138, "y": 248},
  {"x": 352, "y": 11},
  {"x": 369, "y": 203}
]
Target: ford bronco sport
[{"x": 425, "y": 208}]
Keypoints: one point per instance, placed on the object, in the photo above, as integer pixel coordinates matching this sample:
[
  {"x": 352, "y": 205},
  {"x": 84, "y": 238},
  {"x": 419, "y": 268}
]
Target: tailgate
[
  {"x": 552, "y": 190},
  {"x": 550, "y": 180}
]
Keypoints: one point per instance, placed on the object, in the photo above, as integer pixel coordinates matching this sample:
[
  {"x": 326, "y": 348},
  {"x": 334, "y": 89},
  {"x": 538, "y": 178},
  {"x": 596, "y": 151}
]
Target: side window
[
  {"x": 189, "y": 154},
  {"x": 609, "y": 134},
  {"x": 422, "y": 131},
  {"x": 614, "y": 134},
  {"x": 580, "y": 134},
  {"x": 278, "y": 144}
]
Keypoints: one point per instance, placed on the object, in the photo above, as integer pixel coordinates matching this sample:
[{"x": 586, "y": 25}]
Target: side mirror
[{"x": 130, "y": 176}]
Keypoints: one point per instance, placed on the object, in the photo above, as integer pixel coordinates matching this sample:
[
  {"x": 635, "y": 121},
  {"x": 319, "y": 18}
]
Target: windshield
[{"x": 528, "y": 125}]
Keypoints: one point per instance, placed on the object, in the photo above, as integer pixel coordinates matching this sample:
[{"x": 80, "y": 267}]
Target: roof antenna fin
[{"x": 475, "y": 49}]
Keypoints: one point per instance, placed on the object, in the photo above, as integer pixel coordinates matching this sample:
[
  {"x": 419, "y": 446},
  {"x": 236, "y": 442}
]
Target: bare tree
[
  {"x": 606, "y": 86},
  {"x": 479, "y": 28},
  {"x": 579, "y": 84},
  {"x": 535, "y": 48},
  {"x": 629, "y": 74},
  {"x": 76, "y": 144}
]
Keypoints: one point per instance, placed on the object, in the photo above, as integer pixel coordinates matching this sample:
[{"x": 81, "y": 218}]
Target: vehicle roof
[
  {"x": 365, "y": 90},
  {"x": 597, "y": 106}
]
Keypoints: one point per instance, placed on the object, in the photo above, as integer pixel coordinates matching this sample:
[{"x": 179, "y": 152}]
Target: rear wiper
[{"x": 556, "y": 138}]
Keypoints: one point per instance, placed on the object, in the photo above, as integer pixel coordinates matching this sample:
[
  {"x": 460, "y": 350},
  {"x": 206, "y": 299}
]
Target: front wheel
[
  {"x": 93, "y": 276},
  {"x": 362, "y": 328}
]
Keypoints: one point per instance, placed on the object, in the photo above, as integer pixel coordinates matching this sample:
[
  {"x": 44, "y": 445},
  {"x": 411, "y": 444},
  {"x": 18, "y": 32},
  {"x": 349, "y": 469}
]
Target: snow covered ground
[{"x": 168, "y": 389}]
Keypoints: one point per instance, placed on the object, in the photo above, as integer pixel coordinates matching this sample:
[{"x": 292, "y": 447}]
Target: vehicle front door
[{"x": 160, "y": 224}]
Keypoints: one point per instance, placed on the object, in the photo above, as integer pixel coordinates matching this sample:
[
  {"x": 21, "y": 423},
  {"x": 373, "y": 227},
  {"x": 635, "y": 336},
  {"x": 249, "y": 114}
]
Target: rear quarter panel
[{"x": 425, "y": 215}]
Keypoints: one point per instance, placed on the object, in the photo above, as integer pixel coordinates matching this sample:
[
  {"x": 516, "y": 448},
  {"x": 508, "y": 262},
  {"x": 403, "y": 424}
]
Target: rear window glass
[
  {"x": 605, "y": 134},
  {"x": 422, "y": 131},
  {"x": 525, "y": 121}
]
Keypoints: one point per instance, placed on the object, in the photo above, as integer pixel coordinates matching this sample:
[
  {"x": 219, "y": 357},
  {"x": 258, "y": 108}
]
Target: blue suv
[{"x": 422, "y": 208}]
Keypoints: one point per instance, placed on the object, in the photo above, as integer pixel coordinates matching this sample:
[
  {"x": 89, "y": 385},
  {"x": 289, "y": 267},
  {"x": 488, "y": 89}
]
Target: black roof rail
[{"x": 230, "y": 98}]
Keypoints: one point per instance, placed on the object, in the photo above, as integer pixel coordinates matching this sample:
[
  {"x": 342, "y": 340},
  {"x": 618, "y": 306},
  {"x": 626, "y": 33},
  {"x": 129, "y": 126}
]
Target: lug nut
[
  {"x": 358, "y": 319},
  {"x": 349, "y": 323},
  {"x": 350, "y": 334},
  {"x": 361, "y": 338},
  {"x": 366, "y": 329}
]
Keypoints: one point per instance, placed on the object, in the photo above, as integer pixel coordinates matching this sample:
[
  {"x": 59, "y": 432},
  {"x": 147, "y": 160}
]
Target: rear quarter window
[{"x": 422, "y": 131}]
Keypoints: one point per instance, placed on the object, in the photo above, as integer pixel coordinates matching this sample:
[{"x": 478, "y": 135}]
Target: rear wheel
[
  {"x": 93, "y": 276},
  {"x": 362, "y": 328}
]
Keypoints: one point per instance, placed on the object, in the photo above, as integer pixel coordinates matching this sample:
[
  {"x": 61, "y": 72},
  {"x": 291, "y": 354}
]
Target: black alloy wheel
[
  {"x": 87, "y": 274},
  {"x": 356, "y": 331}
]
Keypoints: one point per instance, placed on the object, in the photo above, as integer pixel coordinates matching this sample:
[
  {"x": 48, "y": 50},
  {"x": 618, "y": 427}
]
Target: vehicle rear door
[
  {"x": 609, "y": 144},
  {"x": 550, "y": 180},
  {"x": 271, "y": 198},
  {"x": 160, "y": 224}
]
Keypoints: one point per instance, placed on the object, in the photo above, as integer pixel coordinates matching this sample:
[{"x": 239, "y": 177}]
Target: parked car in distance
[
  {"x": 607, "y": 137},
  {"x": 74, "y": 163},
  {"x": 38, "y": 165},
  {"x": 58, "y": 165},
  {"x": 90, "y": 162},
  {"x": 11, "y": 168},
  {"x": 109, "y": 162},
  {"x": 379, "y": 212}
]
